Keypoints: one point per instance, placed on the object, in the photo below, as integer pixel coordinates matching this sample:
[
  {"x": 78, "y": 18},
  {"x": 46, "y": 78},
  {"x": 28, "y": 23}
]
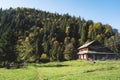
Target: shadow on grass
[
  {"x": 50, "y": 65},
  {"x": 99, "y": 69},
  {"x": 14, "y": 66}
]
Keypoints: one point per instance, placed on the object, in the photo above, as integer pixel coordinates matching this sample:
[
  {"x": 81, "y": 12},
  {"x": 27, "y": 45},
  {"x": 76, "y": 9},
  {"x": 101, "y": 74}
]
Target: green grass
[
  {"x": 69, "y": 70},
  {"x": 29, "y": 73},
  {"x": 81, "y": 70}
]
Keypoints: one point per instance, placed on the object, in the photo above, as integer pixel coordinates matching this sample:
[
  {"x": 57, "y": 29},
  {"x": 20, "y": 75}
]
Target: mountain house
[{"x": 95, "y": 51}]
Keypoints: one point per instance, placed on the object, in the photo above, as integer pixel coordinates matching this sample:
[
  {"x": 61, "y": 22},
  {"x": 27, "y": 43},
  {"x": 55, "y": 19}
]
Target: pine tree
[{"x": 7, "y": 45}]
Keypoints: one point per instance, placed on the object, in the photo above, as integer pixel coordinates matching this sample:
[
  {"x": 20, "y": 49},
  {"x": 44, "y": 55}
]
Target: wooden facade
[{"x": 95, "y": 51}]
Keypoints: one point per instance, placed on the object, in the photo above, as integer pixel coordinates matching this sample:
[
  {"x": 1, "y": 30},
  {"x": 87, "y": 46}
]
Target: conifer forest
[{"x": 31, "y": 35}]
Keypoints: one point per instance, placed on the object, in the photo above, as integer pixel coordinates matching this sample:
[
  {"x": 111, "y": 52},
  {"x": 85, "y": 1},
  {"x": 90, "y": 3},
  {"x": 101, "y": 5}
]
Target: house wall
[
  {"x": 101, "y": 57},
  {"x": 83, "y": 56},
  {"x": 84, "y": 49}
]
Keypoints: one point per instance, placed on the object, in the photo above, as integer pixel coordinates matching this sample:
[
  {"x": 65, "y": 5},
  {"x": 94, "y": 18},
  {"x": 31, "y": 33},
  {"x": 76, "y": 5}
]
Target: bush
[
  {"x": 67, "y": 56},
  {"x": 44, "y": 58}
]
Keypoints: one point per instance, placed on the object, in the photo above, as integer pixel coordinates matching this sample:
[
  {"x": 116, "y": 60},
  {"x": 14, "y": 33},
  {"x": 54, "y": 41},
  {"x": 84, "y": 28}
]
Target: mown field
[{"x": 69, "y": 70}]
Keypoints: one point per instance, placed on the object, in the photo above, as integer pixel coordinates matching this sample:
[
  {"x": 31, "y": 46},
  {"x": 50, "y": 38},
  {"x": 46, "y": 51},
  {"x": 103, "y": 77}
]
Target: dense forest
[{"x": 30, "y": 35}]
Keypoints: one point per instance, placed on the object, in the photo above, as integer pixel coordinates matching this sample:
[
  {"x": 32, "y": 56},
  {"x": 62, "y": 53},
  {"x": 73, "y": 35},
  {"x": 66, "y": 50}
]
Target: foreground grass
[
  {"x": 80, "y": 70},
  {"x": 28, "y": 73},
  {"x": 69, "y": 70}
]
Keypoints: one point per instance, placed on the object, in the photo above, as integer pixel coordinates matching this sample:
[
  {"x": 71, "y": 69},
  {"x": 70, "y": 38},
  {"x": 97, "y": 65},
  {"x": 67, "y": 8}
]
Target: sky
[{"x": 105, "y": 11}]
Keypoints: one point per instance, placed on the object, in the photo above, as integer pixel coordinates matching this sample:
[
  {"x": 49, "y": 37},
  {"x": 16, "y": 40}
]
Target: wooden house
[{"x": 95, "y": 51}]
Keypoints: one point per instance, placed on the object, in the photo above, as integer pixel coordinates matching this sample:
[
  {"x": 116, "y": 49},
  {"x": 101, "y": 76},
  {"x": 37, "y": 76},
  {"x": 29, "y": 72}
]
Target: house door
[
  {"x": 94, "y": 57},
  {"x": 85, "y": 57},
  {"x": 82, "y": 57}
]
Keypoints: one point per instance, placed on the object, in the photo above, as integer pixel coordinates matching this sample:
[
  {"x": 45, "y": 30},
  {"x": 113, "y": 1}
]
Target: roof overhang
[{"x": 94, "y": 52}]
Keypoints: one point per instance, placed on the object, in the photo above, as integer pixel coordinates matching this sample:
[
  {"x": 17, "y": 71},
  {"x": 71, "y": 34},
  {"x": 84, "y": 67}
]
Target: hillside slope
[{"x": 29, "y": 35}]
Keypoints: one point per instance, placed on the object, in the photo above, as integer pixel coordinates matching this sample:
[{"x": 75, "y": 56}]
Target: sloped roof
[
  {"x": 95, "y": 48},
  {"x": 86, "y": 45}
]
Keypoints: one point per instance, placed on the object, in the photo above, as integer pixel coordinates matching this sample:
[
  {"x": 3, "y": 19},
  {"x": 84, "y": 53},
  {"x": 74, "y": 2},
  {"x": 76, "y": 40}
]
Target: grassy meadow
[{"x": 69, "y": 70}]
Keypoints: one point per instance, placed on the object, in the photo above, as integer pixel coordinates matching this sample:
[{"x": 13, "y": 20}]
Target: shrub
[{"x": 44, "y": 58}]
